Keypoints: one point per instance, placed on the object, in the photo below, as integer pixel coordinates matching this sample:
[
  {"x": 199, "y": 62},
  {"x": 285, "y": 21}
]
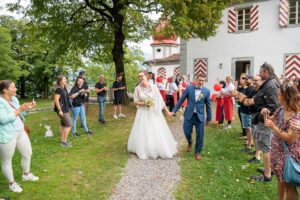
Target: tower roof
[{"x": 160, "y": 38}]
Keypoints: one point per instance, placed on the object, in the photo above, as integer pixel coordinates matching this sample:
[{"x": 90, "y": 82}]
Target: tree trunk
[
  {"x": 46, "y": 87},
  {"x": 22, "y": 87},
  {"x": 118, "y": 50}
]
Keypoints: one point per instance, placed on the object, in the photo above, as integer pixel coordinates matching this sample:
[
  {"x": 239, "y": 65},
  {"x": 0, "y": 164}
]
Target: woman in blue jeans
[
  {"x": 101, "y": 91},
  {"x": 78, "y": 94}
]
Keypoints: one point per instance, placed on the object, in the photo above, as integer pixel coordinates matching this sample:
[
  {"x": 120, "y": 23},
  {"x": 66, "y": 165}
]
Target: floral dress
[{"x": 277, "y": 151}]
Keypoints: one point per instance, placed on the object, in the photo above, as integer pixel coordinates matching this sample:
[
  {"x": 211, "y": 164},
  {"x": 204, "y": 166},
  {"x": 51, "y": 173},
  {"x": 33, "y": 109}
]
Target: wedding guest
[
  {"x": 62, "y": 107},
  {"x": 282, "y": 123},
  {"x": 151, "y": 78},
  {"x": 119, "y": 95},
  {"x": 220, "y": 106},
  {"x": 87, "y": 90},
  {"x": 150, "y": 136},
  {"x": 101, "y": 91},
  {"x": 241, "y": 88},
  {"x": 247, "y": 112},
  {"x": 227, "y": 94},
  {"x": 172, "y": 93},
  {"x": 297, "y": 83},
  {"x": 161, "y": 87},
  {"x": 78, "y": 94},
  {"x": 182, "y": 87},
  {"x": 266, "y": 97},
  {"x": 257, "y": 82},
  {"x": 13, "y": 135}
]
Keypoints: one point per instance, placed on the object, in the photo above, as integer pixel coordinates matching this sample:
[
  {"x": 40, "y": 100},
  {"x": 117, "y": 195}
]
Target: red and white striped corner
[
  {"x": 254, "y": 18},
  {"x": 162, "y": 72},
  {"x": 176, "y": 71},
  {"x": 200, "y": 67},
  {"x": 292, "y": 66},
  {"x": 231, "y": 21},
  {"x": 283, "y": 13}
]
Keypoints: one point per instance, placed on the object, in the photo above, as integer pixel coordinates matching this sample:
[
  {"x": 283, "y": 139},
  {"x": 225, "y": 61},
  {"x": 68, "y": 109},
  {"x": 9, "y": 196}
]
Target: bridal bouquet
[
  {"x": 149, "y": 102},
  {"x": 200, "y": 97}
]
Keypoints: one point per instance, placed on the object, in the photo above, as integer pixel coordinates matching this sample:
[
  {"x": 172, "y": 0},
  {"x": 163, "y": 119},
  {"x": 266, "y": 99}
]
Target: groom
[{"x": 197, "y": 96}]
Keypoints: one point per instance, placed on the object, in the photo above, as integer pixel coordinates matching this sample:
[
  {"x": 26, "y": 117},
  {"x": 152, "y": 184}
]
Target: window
[
  {"x": 158, "y": 50},
  {"x": 243, "y": 21},
  {"x": 294, "y": 17}
]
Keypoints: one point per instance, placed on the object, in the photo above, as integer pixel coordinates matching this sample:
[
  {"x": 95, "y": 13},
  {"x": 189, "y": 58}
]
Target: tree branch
[
  {"x": 91, "y": 22},
  {"x": 98, "y": 10},
  {"x": 74, "y": 13}
]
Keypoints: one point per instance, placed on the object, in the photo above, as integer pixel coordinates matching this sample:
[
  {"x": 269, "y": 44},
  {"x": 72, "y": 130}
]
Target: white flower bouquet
[{"x": 149, "y": 102}]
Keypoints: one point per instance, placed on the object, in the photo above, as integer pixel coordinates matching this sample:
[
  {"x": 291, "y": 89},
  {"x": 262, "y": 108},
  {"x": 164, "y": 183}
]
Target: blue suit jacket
[{"x": 189, "y": 93}]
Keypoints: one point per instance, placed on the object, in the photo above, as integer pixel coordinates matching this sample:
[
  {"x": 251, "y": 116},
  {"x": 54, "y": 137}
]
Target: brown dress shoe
[
  {"x": 189, "y": 148},
  {"x": 198, "y": 156}
]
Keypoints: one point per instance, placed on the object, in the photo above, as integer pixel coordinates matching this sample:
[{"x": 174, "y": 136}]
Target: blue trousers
[
  {"x": 101, "y": 102},
  {"x": 79, "y": 111},
  {"x": 188, "y": 130}
]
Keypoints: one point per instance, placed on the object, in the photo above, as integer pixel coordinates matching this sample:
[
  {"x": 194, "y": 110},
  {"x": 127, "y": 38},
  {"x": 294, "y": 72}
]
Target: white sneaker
[
  {"x": 227, "y": 127},
  {"x": 121, "y": 115},
  {"x": 115, "y": 116},
  {"x": 30, "y": 177},
  {"x": 15, "y": 187}
]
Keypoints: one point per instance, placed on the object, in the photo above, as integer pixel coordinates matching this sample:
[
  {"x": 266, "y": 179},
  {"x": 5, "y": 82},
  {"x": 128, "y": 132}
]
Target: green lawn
[
  {"x": 41, "y": 103},
  {"x": 88, "y": 170},
  {"x": 92, "y": 167},
  {"x": 223, "y": 173}
]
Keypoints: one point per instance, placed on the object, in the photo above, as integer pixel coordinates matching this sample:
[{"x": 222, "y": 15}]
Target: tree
[
  {"x": 8, "y": 67},
  {"x": 38, "y": 60},
  {"x": 133, "y": 60},
  {"x": 96, "y": 26}
]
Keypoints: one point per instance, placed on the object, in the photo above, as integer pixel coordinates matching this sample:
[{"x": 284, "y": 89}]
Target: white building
[
  {"x": 250, "y": 34},
  {"x": 165, "y": 60}
]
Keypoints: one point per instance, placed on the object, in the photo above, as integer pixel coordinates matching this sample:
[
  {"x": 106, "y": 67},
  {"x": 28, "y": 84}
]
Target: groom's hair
[{"x": 200, "y": 76}]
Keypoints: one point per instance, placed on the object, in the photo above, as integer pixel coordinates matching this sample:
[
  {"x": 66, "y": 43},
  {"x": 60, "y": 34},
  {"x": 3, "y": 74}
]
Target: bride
[{"x": 150, "y": 135}]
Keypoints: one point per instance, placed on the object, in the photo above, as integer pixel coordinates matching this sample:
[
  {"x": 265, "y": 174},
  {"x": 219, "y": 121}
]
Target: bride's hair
[{"x": 144, "y": 72}]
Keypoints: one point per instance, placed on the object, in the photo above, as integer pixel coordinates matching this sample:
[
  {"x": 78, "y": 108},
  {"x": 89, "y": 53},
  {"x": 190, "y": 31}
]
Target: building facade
[
  {"x": 250, "y": 34},
  {"x": 166, "y": 58}
]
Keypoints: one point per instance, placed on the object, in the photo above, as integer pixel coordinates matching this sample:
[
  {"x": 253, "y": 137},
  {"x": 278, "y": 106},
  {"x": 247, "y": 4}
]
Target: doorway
[{"x": 242, "y": 65}]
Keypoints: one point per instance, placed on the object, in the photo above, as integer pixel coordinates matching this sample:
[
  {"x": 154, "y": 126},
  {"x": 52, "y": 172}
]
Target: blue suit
[{"x": 194, "y": 114}]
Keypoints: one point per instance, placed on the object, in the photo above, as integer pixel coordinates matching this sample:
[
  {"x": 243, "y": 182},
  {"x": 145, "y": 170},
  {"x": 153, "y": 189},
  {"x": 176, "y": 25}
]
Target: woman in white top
[
  {"x": 150, "y": 136},
  {"x": 172, "y": 90},
  {"x": 227, "y": 94}
]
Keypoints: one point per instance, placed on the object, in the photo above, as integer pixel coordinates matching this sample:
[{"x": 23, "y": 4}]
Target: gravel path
[{"x": 151, "y": 179}]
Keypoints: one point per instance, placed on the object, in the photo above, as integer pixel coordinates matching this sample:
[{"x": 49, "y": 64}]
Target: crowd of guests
[{"x": 268, "y": 109}]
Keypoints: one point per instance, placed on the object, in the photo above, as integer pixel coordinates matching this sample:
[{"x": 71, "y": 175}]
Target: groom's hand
[{"x": 171, "y": 114}]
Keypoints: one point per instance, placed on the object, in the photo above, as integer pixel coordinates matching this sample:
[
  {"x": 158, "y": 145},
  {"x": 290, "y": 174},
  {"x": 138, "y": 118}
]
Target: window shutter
[
  {"x": 283, "y": 13},
  {"x": 162, "y": 72},
  {"x": 292, "y": 66},
  {"x": 254, "y": 18},
  {"x": 176, "y": 71},
  {"x": 231, "y": 20},
  {"x": 200, "y": 67}
]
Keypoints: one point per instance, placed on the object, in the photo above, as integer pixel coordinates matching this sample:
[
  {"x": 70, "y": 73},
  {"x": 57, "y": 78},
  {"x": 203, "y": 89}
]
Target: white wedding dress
[{"x": 150, "y": 136}]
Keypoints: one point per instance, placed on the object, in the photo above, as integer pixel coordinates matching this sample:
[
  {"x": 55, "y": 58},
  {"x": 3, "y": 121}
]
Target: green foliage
[
  {"x": 8, "y": 67},
  {"x": 133, "y": 60}
]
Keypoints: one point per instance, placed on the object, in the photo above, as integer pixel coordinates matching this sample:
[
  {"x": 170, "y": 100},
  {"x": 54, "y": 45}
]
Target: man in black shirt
[
  {"x": 246, "y": 112},
  {"x": 119, "y": 95},
  {"x": 101, "y": 91}
]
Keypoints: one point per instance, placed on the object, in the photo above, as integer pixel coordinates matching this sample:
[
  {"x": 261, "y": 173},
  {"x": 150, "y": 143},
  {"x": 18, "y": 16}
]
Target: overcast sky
[{"x": 144, "y": 45}]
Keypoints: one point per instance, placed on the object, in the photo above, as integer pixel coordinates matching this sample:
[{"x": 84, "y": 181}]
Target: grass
[
  {"x": 88, "y": 170},
  {"x": 93, "y": 166},
  {"x": 41, "y": 103},
  {"x": 223, "y": 173}
]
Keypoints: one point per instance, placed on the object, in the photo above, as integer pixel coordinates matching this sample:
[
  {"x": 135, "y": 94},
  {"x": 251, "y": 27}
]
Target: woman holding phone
[{"x": 13, "y": 135}]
